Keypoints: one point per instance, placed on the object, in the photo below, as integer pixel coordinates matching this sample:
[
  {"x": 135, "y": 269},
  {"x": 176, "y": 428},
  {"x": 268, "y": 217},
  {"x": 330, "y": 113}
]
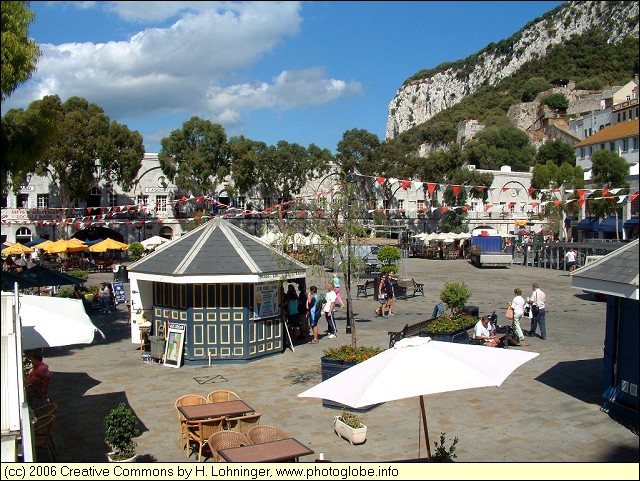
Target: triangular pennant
[
  {"x": 456, "y": 190},
  {"x": 380, "y": 180},
  {"x": 405, "y": 184},
  {"x": 430, "y": 188}
]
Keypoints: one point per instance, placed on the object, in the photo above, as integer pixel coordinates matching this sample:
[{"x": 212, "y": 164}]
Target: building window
[
  {"x": 582, "y": 152},
  {"x": 618, "y": 116},
  {"x": 43, "y": 201},
  {"x": 602, "y": 146},
  {"x": 612, "y": 146},
  {"x": 161, "y": 203},
  {"x": 585, "y": 133},
  {"x": 400, "y": 203},
  {"x": 624, "y": 115},
  {"x": 113, "y": 199},
  {"x": 625, "y": 145},
  {"x": 420, "y": 204},
  {"x": 634, "y": 142},
  {"x": 268, "y": 202},
  {"x": 23, "y": 201},
  {"x": 142, "y": 200},
  {"x": 240, "y": 202}
]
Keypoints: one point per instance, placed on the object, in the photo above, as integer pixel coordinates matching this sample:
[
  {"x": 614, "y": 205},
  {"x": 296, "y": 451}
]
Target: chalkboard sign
[
  {"x": 118, "y": 292},
  {"x": 174, "y": 345}
]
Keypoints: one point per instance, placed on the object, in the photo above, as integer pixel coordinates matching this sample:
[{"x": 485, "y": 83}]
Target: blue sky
[{"x": 303, "y": 72}]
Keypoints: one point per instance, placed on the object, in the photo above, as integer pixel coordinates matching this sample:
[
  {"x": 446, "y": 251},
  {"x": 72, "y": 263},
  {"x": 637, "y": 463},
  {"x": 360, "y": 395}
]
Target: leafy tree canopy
[
  {"x": 557, "y": 151},
  {"x": 19, "y": 52}
]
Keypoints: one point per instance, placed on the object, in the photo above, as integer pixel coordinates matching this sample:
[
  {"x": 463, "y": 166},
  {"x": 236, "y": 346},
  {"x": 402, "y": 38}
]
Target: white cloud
[{"x": 189, "y": 65}]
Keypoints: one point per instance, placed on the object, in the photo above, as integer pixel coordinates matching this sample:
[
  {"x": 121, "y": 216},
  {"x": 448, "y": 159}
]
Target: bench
[
  {"x": 407, "y": 331},
  {"x": 363, "y": 288},
  {"x": 404, "y": 285}
]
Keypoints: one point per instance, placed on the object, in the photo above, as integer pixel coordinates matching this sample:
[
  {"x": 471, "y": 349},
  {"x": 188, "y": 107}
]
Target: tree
[
  {"x": 89, "y": 148},
  {"x": 26, "y": 135},
  {"x": 195, "y": 156},
  {"x": 610, "y": 171},
  {"x": 557, "y": 101},
  {"x": 557, "y": 151},
  {"x": 19, "y": 52}
]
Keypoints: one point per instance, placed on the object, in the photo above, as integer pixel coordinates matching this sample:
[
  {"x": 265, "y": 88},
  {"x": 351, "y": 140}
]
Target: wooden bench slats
[{"x": 363, "y": 288}]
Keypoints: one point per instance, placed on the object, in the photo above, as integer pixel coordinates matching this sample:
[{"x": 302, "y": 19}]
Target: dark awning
[
  {"x": 610, "y": 224},
  {"x": 588, "y": 223},
  {"x": 632, "y": 221}
]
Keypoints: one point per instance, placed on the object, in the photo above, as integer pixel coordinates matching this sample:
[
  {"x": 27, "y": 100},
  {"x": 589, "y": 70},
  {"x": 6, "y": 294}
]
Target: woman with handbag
[{"x": 517, "y": 311}]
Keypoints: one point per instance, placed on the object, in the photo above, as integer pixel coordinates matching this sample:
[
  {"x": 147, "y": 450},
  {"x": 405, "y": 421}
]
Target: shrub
[
  {"x": 351, "y": 419},
  {"x": 84, "y": 275},
  {"x": 387, "y": 254},
  {"x": 135, "y": 250},
  {"x": 556, "y": 101},
  {"x": 352, "y": 354},
  {"x": 121, "y": 426},
  {"x": 386, "y": 269},
  {"x": 455, "y": 295},
  {"x": 449, "y": 324},
  {"x": 442, "y": 454}
]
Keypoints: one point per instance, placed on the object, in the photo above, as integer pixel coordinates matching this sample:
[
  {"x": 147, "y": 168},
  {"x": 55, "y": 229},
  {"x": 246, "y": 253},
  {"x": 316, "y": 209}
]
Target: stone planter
[
  {"x": 128, "y": 460},
  {"x": 353, "y": 435},
  {"x": 460, "y": 336}
]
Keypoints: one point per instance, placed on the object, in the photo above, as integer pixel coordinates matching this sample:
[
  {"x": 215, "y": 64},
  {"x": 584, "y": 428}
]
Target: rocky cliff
[{"x": 419, "y": 100}]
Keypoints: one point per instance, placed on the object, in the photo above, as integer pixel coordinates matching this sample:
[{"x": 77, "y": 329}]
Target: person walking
[
  {"x": 538, "y": 302},
  {"x": 315, "y": 311},
  {"x": 328, "y": 309},
  {"x": 104, "y": 297},
  {"x": 517, "y": 304},
  {"x": 391, "y": 293},
  {"x": 570, "y": 258},
  {"x": 382, "y": 296},
  {"x": 336, "y": 288}
]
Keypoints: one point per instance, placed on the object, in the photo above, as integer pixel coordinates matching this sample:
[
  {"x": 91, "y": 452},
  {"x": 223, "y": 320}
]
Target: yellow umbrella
[
  {"x": 108, "y": 244},
  {"x": 63, "y": 245},
  {"x": 44, "y": 245},
  {"x": 17, "y": 248}
]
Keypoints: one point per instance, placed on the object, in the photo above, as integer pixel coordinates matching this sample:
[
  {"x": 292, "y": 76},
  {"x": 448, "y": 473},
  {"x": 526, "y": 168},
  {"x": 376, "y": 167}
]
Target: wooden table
[
  {"x": 215, "y": 410},
  {"x": 275, "y": 451}
]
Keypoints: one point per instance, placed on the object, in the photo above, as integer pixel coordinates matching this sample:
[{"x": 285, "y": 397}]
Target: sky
[{"x": 302, "y": 72}]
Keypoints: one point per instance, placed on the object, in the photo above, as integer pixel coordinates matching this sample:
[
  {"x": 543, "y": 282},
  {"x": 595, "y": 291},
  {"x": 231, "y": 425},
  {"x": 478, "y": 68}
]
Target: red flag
[
  {"x": 531, "y": 191},
  {"x": 431, "y": 187},
  {"x": 604, "y": 192},
  {"x": 405, "y": 184},
  {"x": 557, "y": 203},
  {"x": 456, "y": 189},
  {"x": 381, "y": 179},
  {"x": 443, "y": 210}
]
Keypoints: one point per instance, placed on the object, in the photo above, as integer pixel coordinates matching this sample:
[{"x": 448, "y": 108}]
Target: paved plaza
[{"x": 548, "y": 410}]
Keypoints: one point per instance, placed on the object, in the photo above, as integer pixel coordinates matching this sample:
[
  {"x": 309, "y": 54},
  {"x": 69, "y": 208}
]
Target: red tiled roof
[{"x": 619, "y": 131}]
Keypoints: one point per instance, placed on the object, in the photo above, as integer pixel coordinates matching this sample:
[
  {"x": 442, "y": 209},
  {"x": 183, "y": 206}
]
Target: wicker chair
[
  {"x": 200, "y": 431},
  {"x": 242, "y": 424},
  {"x": 42, "y": 435},
  {"x": 222, "y": 395},
  {"x": 265, "y": 433},
  {"x": 187, "y": 400},
  {"x": 224, "y": 440},
  {"x": 49, "y": 408}
]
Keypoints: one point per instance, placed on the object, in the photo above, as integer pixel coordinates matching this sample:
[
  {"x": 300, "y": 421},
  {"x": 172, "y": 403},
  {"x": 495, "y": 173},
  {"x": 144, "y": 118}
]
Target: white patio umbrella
[
  {"x": 392, "y": 375},
  {"x": 54, "y": 322},
  {"x": 153, "y": 242}
]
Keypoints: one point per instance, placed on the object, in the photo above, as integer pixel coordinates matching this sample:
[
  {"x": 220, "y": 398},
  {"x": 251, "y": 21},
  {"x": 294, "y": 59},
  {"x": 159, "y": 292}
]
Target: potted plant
[
  {"x": 336, "y": 360},
  {"x": 443, "y": 454},
  {"x": 349, "y": 426},
  {"x": 121, "y": 426}
]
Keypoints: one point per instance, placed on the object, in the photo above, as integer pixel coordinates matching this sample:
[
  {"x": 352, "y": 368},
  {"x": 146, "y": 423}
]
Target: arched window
[{"x": 23, "y": 235}]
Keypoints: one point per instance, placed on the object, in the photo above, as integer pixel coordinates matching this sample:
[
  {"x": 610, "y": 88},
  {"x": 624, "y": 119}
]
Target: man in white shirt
[
  {"x": 538, "y": 298},
  {"x": 329, "y": 307},
  {"x": 570, "y": 257}
]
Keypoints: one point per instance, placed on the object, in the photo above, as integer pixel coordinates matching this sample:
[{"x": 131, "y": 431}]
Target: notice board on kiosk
[
  {"x": 175, "y": 345},
  {"x": 118, "y": 292}
]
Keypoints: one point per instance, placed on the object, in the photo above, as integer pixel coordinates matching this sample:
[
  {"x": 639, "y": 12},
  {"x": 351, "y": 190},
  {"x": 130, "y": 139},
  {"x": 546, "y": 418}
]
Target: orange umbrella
[
  {"x": 108, "y": 244},
  {"x": 63, "y": 245},
  {"x": 17, "y": 249}
]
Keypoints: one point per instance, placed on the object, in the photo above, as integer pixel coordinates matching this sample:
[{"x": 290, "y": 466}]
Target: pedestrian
[
  {"x": 538, "y": 303},
  {"x": 570, "y": 258},
  {"x": 382, "y": 296},
  {"x": 328, "y": 309},
  {"x": 104, "y": 297},
  {"x": 438, "y": 310},
  {"x": 303, "y": 311},
  {"x": 336, "y": 288},
  {"x": 517, "y": 304},
  {"x": 293, "y": 318},
  {"x": 391, "y": 293},
  {"x": 315, "y": 311}
]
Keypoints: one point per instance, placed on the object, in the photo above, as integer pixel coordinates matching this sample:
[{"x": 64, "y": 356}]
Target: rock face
[{"x": 419, "y": 100}]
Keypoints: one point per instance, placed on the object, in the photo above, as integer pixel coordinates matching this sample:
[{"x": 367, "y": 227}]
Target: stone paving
[{"x": 548, "y": 410}]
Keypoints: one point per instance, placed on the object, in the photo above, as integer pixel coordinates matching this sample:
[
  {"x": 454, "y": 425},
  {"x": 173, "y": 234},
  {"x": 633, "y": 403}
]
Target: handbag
[
  {"x": 527, "y": 310},
  {"x": 535, "y": 310},
  {"x": 509, "y": 314}
]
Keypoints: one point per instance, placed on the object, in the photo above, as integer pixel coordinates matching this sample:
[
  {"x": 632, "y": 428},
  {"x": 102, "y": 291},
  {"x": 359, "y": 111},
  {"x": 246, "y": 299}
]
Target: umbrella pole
[{"x": 426, "y": 431}]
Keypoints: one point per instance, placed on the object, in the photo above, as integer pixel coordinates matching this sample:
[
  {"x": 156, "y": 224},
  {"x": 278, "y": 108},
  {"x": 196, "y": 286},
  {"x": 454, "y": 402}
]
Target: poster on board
[
  {"x": 265, "y": 300},
  {"x": 118, "y": 292},
  {"x": 175, "y": 345}
]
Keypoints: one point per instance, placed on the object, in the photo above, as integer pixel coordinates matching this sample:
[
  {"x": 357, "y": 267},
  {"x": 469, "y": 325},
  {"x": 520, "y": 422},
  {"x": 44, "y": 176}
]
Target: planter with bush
[
  {"x": 121, "y": 426},
  {"x": 349, "y": 426}
]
